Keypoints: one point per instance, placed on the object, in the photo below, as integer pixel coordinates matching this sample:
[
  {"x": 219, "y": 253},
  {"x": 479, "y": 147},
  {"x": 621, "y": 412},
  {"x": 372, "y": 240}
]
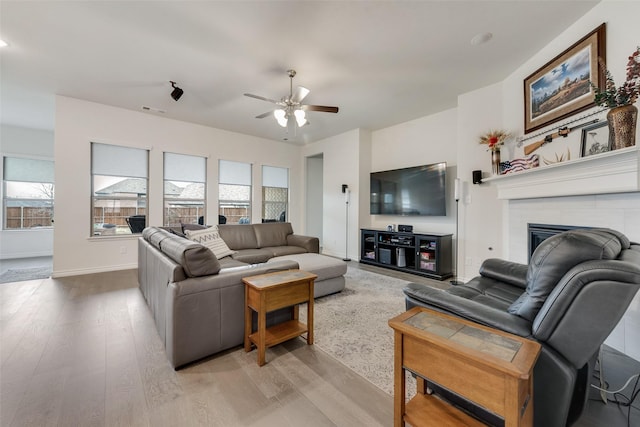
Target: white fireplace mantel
[{"x": 612, "y": 172}]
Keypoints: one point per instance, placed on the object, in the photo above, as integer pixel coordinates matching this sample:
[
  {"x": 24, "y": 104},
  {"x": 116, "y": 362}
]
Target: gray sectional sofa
[{"x": 197, "y": 301}]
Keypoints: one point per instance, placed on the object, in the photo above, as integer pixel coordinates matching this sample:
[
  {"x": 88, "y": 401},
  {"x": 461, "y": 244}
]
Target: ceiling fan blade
[
  {"x": 322, "y": 108},
  {"x": 300, "y": 93},
  {"x": 262, "y": 98},
  {"x": 263, "y": 115}
]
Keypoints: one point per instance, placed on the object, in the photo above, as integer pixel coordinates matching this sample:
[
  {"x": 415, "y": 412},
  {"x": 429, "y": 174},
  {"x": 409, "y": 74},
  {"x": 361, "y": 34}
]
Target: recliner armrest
[
  {"x": 509, "y": 272},
  {"x": 436, "y": 299}
]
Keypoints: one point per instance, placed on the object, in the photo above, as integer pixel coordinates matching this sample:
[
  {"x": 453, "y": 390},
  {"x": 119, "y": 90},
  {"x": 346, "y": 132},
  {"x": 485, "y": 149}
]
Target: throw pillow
[
  {"x": 186, "y": 227},
  {"x": 210, "y": 238}
]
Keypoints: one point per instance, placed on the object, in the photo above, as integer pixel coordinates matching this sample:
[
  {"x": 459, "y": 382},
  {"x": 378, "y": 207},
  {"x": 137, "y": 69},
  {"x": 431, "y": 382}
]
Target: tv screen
[{"x": 418, "y": 190}]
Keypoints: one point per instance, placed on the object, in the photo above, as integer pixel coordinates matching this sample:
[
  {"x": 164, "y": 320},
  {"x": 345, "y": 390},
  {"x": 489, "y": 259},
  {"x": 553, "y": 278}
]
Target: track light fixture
[{"x": 176, "y": 93}]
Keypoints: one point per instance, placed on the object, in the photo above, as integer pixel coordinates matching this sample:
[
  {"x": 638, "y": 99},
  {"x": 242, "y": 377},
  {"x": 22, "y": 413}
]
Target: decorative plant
[
  {"x": 626, "y": 94},
  {"x": 494, "y": 139}
]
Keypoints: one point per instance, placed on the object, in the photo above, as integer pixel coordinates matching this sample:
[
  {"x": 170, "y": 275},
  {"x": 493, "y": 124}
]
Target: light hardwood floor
[{"x": 83, "y": 351}]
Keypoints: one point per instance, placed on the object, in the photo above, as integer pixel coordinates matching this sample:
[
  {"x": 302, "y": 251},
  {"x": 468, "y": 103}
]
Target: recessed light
[
  {"x": 3, "y": 43},
  {"x": 481, "y": 38}
]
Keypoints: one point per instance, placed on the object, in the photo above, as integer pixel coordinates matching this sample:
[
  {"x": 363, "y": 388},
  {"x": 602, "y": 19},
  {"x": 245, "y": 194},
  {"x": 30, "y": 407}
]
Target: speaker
[
  {"x": 477, "y": 177},
  {"x": 405, "y": 228},
  {"x": 401, "y": 259},
  {"x": 385, "y": 255}
]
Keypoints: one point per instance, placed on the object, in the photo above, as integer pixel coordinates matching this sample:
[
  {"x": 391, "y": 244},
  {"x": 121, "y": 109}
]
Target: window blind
[
  {"x": 186, "y": 168},
  {"x": 28, "y": 170},
  {"x": 275, "y": 177},
  {"x": 234, "y": 173},
  {"x": 114, "y": 160}
]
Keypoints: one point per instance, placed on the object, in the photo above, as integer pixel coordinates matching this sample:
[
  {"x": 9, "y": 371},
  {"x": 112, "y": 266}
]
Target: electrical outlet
[
  {"x": 123, "y": 250},
  {"x": 468, "y": 261}
]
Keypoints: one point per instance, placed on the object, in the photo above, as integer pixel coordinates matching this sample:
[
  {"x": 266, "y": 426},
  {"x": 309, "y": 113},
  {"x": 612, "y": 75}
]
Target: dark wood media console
[{"x": 428, "y": 255}]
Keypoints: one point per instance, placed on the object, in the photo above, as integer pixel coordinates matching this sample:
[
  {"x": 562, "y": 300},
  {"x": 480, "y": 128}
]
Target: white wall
[
  {"x": 37, "y": 144},
  {"x": 78, "y": 123},
  {"x": 365, "y": 153},
  {"x": 427, "y": 140},
  {"x": 480, "y": 210},
  {"x": 341, "y": 160}
]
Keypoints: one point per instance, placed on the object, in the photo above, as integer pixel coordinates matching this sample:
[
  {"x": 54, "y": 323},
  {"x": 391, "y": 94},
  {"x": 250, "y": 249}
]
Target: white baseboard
[
  {"x": 30, "y": 254},
  {"x": 81, "y": 271}
]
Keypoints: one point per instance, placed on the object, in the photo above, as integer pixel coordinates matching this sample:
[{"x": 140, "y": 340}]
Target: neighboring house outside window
[
  {"x": 28, "y": 189},
  {"x": 119, "y": 177},
  {"x": 275, "y": 194},
  {"x": 234, "y": 192},
  {"x": 184, "y": 189}
]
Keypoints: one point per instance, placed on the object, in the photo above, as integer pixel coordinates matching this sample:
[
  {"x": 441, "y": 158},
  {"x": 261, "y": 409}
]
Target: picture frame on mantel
[
  {"x": 595, "y": 139},
  {"x": 561, "y": 87}
]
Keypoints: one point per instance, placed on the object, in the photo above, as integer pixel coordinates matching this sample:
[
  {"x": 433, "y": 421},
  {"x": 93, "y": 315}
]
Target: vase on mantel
[
  {"x": 622, "y": 126},
  {"x": 495, "y": 162}
]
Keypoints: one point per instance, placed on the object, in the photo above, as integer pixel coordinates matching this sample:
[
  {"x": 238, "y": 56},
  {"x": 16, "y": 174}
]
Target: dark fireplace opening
[{"x": 538, "y": 233}]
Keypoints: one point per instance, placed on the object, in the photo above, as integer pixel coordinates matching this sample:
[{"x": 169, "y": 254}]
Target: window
[
  {"x": 28, "y": 193},
  {"x": 275, "y": 193},
  {"x": 184, "y": 189},
  {"x": 119, "y": 177},
  {"x": 234, "y": 193}
]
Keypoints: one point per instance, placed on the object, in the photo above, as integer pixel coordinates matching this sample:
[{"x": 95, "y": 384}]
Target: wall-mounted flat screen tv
[{"x": 414, "y": 191}]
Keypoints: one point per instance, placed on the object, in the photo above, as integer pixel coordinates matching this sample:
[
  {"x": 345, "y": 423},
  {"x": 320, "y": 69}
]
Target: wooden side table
[
  {"x": 489, "y": 367},
  {"x": 271, "y": 291}
]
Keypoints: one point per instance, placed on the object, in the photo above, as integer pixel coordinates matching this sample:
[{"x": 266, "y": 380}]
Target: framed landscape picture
[
  {"x": 595, "y": 139},
  {"x": 561, "y": 87}
]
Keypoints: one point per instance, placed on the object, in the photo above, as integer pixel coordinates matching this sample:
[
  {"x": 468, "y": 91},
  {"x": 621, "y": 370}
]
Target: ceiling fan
[{"x": 292, "y": 106}]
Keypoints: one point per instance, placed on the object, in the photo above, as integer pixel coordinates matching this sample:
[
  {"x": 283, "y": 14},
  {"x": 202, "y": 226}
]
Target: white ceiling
[{"x": 381, "y": 62}]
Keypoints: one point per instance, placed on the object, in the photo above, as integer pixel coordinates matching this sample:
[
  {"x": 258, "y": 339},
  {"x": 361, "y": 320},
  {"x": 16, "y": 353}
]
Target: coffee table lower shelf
[
  {"x": 280, "y": 333},
  {"x": 427, "y": 410}
]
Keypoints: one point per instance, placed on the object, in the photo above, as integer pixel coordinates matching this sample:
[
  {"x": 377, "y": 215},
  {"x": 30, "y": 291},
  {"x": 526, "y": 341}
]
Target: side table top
[
  {"x": 267, "y": 280},
  {"x": 507, "y": 351}
]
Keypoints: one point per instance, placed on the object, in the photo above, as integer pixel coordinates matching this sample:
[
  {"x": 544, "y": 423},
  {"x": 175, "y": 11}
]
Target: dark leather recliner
[{"x": 569, "y": 298}]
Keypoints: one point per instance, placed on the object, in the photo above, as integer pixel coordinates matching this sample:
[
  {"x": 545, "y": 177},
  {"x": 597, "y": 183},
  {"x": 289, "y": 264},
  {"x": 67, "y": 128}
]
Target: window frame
[
  {"x": 270, "y": 176},
  {"x": 226, "y": 177},
  {"x": 43, "y": 171},
  {"x": 193, "y": 177},
  {"x": 99, "y": 230}
]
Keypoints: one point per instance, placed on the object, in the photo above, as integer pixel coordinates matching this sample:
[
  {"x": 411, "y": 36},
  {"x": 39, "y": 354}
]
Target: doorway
[{"x": 314, "y": 192}]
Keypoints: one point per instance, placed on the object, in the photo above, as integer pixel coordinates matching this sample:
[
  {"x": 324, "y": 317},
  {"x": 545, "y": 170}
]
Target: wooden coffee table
[{"x": 271, "y": 291}]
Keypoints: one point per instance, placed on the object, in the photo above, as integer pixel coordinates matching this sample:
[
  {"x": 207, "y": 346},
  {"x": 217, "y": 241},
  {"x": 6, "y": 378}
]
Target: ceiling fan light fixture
[
  {"x": 302, "y": 92},
  {"x": 281, "y": 117},
  {"x": 300, "y": 117},
  {"x": 291, "y": 107}
]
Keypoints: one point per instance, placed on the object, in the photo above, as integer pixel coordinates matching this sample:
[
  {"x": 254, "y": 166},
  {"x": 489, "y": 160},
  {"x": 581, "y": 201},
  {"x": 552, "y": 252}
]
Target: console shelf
[{"x": 428, "y": 255}]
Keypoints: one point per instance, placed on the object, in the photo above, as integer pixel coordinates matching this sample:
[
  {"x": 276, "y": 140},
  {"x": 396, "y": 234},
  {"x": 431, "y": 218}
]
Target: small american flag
[{"x": 516, "y": 165}]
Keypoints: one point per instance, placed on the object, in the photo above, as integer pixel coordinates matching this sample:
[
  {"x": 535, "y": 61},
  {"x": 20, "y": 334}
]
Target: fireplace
[{"x": 540, "y": 232}]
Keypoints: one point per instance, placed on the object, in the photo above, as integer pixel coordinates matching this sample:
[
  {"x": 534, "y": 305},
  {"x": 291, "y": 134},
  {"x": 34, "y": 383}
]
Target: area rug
[
  {"x": 22, "y": 274},
  {"x": 352, "y": 326}
]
